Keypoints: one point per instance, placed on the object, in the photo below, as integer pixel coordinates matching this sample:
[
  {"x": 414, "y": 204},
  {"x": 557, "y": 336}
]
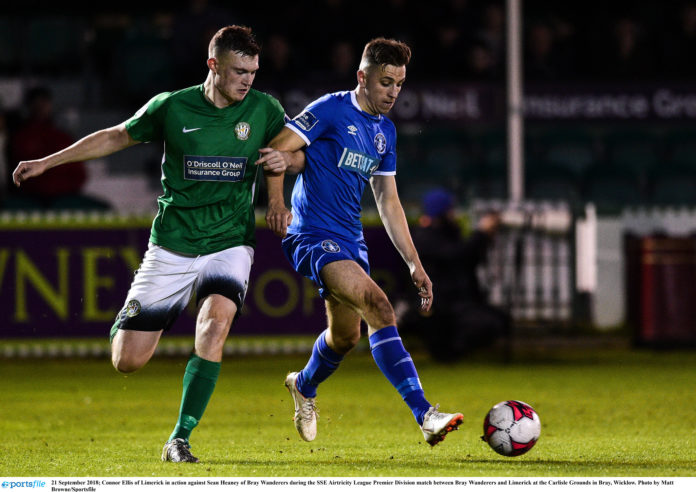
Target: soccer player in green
[{"x": 202, "y": 238}]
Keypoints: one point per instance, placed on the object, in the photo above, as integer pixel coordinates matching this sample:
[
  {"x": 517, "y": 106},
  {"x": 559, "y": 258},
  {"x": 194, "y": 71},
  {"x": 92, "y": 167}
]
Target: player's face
[
  {"x": 234, "y": 74},
  {"x": 382, "y": 87}
]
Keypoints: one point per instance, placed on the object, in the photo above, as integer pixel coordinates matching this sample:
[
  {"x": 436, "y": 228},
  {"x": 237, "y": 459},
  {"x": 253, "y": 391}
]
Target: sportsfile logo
[{"x": 26, "y": 484}]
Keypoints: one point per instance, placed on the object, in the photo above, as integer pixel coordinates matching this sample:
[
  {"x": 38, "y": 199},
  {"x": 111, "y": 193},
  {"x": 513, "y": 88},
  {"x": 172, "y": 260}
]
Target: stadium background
[{"x": 610, "y": 109}]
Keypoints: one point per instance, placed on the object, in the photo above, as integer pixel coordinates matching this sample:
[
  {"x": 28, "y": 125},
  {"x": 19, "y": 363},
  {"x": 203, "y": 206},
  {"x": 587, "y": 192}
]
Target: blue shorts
[{"x": 308, "y": 253}]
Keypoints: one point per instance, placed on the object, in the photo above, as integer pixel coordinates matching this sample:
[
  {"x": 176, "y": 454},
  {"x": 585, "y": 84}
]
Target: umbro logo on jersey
[
  {"x": 352, "y": 130},
  {"x": 188, "y": 130}
]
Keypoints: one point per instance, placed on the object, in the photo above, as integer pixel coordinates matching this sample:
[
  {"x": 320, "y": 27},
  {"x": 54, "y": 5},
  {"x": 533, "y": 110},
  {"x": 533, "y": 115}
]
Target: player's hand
[
  {"x": 28, "y": 169},
  {"x": 274, "y": 161},
  {"x": 425, "y": 288},
  {"x": 278, "y": 218}
]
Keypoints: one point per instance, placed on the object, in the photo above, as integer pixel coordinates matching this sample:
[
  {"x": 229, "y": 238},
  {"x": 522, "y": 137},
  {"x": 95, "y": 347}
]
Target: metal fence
[{"x": 530, "y": 270}]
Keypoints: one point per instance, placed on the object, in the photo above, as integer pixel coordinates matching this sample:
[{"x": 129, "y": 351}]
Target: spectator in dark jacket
[{"x": 462, "y": 319}]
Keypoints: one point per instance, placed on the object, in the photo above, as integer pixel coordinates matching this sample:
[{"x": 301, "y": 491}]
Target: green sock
[
  {"x": 112, "y": 333},
  {"x": 199, "y": 382}
]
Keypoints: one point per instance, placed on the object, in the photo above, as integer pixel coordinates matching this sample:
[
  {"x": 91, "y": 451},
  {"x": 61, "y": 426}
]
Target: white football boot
[
  {"x": 178, "y": 451},
  {"x": 436, "y": 424},
  {"x": 305, "y": 409}
]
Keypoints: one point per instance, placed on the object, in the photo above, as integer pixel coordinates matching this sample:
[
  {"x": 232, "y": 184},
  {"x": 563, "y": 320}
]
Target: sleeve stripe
[
  {"x": 302, "y": 135},
  {"x": 384, "y": 173}
]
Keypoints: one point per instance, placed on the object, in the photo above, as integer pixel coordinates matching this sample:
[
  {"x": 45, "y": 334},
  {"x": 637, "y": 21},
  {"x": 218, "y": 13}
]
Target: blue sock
[
  {"x": 396, "y": 364},
  {"x": 322, "y": 363}
]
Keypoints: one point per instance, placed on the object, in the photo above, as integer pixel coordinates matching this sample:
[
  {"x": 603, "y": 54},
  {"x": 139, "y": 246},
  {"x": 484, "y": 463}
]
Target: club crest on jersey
[
  {"x": 242, "y": 130},
  {"x": 380, "y": 143},
  {"x": 132, "y": 308},
  {"x": 330, "y": 246},
  {"x": 358, "y": 162},
  {"x": 305, "y": 120}
]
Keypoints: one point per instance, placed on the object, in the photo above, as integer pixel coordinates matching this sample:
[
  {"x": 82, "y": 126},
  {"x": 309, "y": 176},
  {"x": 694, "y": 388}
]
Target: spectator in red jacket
[{"x": 38, "y": 136}]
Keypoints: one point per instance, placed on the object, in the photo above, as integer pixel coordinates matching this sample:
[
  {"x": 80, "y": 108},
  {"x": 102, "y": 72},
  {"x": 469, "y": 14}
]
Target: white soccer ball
[{"x": 511, "y": 428}]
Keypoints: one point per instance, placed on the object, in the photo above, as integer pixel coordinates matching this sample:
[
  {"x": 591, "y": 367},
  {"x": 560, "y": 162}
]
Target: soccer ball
[{"x": 511, "y": 428}]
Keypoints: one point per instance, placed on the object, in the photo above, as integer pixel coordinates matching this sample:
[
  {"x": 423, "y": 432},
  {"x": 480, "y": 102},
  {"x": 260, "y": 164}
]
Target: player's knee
[
  {"x": 212, "y": 332},
  {"x": 382, "y": 312},
  {"x": 216, "y": 314},
  {"x": 215, "y": 328},
  {"x": 126, "y": 363},
  {"x": 345, "y": 342}
]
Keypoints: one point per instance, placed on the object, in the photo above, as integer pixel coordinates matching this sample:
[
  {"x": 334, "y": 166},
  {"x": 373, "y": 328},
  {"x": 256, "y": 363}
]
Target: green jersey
[{"x": 208, "y": 173}]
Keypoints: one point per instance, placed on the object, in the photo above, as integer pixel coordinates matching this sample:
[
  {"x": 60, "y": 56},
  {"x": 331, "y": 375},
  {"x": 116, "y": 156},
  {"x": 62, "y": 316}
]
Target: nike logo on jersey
[{"x": 188, "y": 130}]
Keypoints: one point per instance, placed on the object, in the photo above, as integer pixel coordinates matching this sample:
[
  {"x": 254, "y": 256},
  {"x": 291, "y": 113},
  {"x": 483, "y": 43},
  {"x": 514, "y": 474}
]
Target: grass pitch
[{"x": 620, "y": 413}]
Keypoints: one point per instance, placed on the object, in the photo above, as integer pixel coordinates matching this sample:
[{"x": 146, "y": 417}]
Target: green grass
[{"x": 619, "y": 413}]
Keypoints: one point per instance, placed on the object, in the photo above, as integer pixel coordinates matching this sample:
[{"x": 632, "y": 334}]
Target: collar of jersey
[
  {"x": 212, "y": 105},
  {"x": 354, "y": 100}
]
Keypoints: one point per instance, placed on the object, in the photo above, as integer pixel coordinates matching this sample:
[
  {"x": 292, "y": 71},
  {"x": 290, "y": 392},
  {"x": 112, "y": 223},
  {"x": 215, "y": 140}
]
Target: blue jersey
[{"x": 345, "y": 147}]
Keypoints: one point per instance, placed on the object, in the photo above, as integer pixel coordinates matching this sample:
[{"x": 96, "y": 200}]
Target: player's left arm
[
  {"x": 394, "y": 219},
  {"x": 283, "y": 154},
  {"x": 278, "y": 217}
]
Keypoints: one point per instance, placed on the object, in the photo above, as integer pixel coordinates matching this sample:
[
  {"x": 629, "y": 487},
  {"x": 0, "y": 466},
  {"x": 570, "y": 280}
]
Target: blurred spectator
[
  {"x": 461, "y": 320},
  {"x": 106, "y": 32},
  {"x": 450, "y": 50},
  {"x": 193, "y": 27},
  {"x": 341, "y": 70},
  {"x": 337, "y": 19},
  {"x": 343, "y": 62},
  {"x": 540, "y": 61},
  {"x": 626, "y": 54},
  {"x": 491, "y": 33},
  {"x": 450, "y": 24},
  {"x": 680, "y": 44},
  {"x": 279, "y": 64},
  {"x": 480, "y": 64},
  {"x": 619, "y": 48},
  {"x": 565, "y": 44},
  {"x": 402, "y": 21},
  {"x": 38, "y": 136},
  {"x": 144, "y": 61}
]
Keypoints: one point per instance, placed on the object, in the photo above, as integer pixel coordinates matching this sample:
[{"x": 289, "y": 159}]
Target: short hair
[
  {"x": 234, "y": 38},
  {"x": 383, "y": 51}
]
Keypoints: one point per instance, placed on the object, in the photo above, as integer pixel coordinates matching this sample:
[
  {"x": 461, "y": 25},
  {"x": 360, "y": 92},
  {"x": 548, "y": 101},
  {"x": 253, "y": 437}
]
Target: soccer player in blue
[{"x": 348, "y": 141}]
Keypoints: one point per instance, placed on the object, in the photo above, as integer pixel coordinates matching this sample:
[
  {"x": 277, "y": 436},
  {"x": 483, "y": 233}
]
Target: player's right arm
[
  {"x": 285, "y": 146},
  {"x": 394, "y": 219},
  {"x": 98, "y": 144},
  {"x": 298, "y": 133}
]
